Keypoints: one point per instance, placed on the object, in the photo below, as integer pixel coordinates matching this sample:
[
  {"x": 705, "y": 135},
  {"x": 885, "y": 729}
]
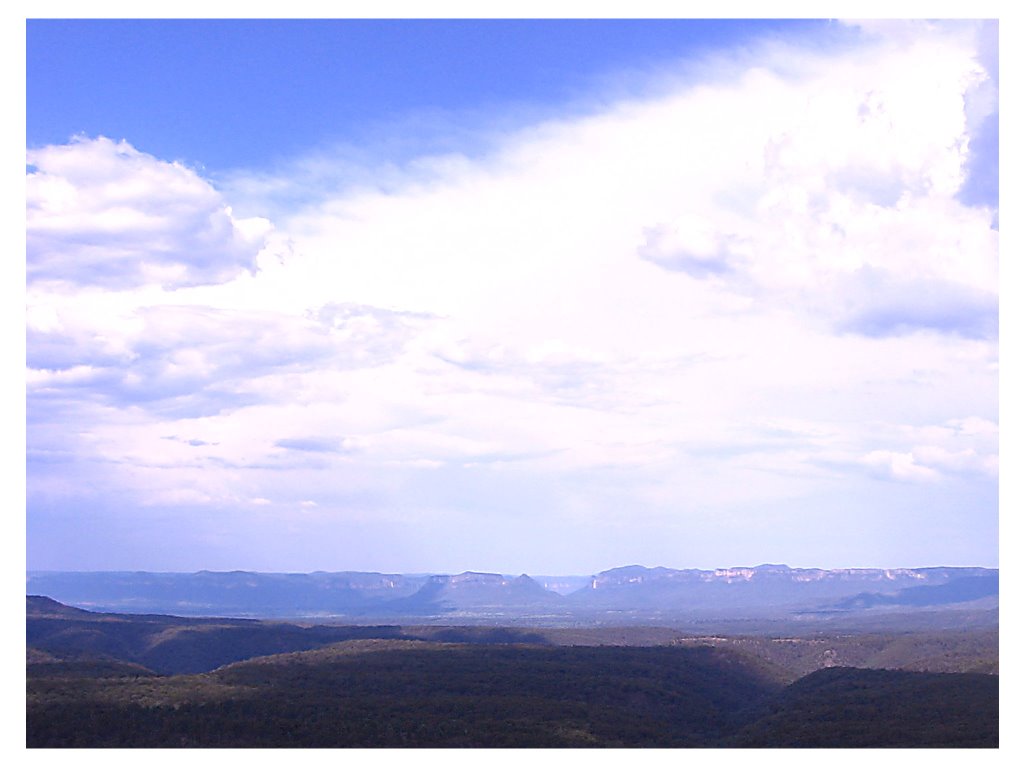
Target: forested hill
[
  {"x": 99, "y": 680},
  {"x": 175, "y": 645}
]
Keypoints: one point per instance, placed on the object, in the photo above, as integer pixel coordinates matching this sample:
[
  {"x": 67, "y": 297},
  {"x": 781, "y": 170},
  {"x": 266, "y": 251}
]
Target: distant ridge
[
  {"x": 754, "y": 588},
  {"x": 958, "y": 590},
  {"x": 474, "y": 590},
  {"x": 632, "y": 592}
]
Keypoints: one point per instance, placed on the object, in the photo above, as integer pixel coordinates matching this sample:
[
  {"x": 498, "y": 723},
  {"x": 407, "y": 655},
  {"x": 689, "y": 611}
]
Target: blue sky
[
  {"x": 228, "y": 93},
  {"x": 513, "y": 296}
]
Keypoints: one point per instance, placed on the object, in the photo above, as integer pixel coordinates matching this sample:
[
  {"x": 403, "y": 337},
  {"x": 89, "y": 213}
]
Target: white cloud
[
  {"x": 732, "y": 293},
  {"x": 103, "y": 213},
  {"x": 900, "y": 466},
  {"x": 693, "y": 246},
  {"x": 966, "y": 460}
]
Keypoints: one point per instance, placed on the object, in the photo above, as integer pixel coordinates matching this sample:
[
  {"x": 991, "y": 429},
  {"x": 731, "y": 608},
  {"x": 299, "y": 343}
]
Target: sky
[{"x": 532, "y": 296}]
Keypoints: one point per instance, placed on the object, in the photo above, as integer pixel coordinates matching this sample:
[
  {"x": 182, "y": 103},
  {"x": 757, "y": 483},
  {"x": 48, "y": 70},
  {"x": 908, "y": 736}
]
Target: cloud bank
[{"x": 681, "y": 328}]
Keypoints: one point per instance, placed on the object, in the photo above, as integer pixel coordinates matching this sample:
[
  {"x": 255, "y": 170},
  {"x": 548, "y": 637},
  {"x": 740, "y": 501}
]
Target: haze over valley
[{"x": 766, "y": 596}]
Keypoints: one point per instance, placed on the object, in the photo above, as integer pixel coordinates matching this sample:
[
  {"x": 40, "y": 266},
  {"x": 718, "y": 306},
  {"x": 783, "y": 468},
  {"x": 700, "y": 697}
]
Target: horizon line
[{"x": 502, "y": 573}]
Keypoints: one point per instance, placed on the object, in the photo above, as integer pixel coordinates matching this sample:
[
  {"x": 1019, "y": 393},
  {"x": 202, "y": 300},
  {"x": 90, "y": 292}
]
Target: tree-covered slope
[
  {"x": 413, "y": 693},
  {"x": 844, "y": 707}
]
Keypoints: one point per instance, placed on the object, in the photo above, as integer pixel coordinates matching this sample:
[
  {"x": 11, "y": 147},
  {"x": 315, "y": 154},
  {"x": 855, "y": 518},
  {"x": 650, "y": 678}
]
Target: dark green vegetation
[
  {"x": 843, "y": 707},
  {"x": 172, "y": 645},
  {"x": 404, "y": 693},
  {"x": 146, "y": 681},
  {"x": 950, "y": 651}
]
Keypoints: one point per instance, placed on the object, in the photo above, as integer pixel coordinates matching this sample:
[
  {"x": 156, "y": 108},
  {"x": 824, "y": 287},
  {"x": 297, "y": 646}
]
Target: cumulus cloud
[
  {"x": 845, "y": 204},
  {"x": 690, "y": 245},
  {"x": 967, "y": 460},
  {"x": 369, "y": 335},
  {"x": 175, "y": 359},
  {"x": 197, "y": 359},
  {"x": 899, "y": 466},
  {"x": 880, "y": 303},
  {"x": 103, "y": 213}
]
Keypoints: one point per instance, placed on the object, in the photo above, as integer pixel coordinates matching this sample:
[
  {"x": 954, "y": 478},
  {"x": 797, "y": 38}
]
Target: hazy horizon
[
  {"x": 567, "y": 574},
  {"x": 511, "y": 296}
]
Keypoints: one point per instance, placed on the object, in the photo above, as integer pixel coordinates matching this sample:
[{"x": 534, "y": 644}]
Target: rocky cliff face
[
  {"x": 654, "y": 592},
  {"x": 487, "y": 590},
  {"x": 764, "y": 585}
]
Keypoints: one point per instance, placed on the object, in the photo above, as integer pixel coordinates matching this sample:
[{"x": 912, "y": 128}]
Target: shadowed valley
[{"x": 116, "y": 680}]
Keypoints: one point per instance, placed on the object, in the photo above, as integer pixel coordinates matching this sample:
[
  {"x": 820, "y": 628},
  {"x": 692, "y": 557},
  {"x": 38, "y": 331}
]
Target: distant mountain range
[{"x": 630, "y": 594}]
